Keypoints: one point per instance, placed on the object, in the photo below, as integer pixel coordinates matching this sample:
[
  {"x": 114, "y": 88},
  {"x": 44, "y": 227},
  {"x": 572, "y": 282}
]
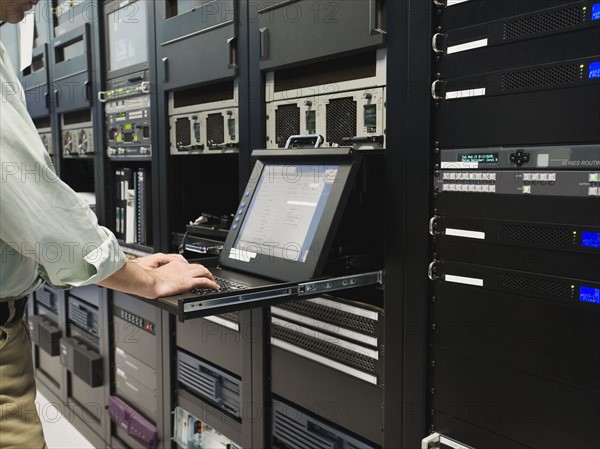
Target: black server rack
[
  {"x": 82, "y": 353},
  {"x": 514, "y": 341},
  {"x": 135, "y": 401},
  {"x": 322, "y": 349},
  {"x": 208, "y": 372},
  {"x": 46, "y": 323}
]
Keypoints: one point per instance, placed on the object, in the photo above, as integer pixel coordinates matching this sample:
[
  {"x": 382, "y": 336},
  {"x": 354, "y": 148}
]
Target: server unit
[
  {"x": 325, "y": 347},
  {"x": 46, "y": 319},
  {"x": 294, "y": 428},
  {"x": 77, "y": 134},
  {"x": 204, "y": 119},
  {"x": 515, "y": 274},
  {"x": 343, "y": 102},
  {"x": 81, "y": 354},
  {"x": 136, "y": 394}
]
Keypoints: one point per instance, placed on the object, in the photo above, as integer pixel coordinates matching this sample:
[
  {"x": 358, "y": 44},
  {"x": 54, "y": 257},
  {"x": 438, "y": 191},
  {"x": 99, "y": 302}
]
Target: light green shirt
[{"x": 47, "y": 233}]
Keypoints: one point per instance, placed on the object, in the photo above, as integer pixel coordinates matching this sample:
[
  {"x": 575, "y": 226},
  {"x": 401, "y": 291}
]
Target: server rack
[{"x": 514, "y": 296}]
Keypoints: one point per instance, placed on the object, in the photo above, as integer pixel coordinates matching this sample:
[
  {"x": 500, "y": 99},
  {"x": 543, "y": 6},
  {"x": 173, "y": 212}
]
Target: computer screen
[
  {"x": 284, "y": 213},
  {"x": 127, "y": 36}
]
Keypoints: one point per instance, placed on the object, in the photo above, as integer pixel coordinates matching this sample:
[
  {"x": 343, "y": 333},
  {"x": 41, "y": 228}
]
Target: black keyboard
[{"x": 226, "y": 286}]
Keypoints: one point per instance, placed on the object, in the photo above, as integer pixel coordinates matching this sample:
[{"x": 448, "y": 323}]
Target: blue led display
[
  {"x": 589, "y": 294},
  {"x": 590, "y": 239},
  {"x": 596, "y": 11},
  {"x": 594, "y": 70}
]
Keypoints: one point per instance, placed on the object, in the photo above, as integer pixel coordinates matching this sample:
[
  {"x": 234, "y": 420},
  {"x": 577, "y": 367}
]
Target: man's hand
[{"x": 159, "y": 275}]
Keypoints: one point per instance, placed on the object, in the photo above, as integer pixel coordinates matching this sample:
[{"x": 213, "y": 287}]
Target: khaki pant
[{"x": 20, "y": 426}]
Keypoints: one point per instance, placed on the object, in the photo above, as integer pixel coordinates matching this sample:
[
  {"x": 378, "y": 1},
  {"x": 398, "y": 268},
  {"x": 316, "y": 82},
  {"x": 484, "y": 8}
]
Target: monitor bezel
[
  {"x": 281, "y": 269},
  {"x": 110, "y": 8}
]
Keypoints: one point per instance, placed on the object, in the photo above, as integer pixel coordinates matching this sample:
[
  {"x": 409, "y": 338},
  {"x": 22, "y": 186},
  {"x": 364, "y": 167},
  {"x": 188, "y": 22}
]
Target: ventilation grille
[
  {"x": 47, "y": 298},
  {"x": 83, "y": 318},
  {"x": 215, "y": 129},
  {"x": 338, "y": 317},
  {"x": 542, "y": 77},
  {"x": 543, "y": 23},
  {"x": 535, "y": 287},
  {"x": 287, "y": 123},
  {"x": 197, "y": 380},
  {"x": 295, "y": 435},
  {"x": 231, "y": 316},
  {"x": 324, "y": 348},
  {"x": 183, "y": 132},
  {"x": 219, "y": 388},
  {"x": 341, "y": 120},
  {"x": 537, "y": 235}
]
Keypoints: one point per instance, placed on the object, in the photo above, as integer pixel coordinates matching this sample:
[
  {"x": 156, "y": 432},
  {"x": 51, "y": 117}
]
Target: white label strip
[
  {"x": 467, "y": 46},
  {"x": 326, "y": 327},
  {"x": 451, "y": 443},
  {"x": 324, "y": 361},
  {"x": 326, "y": 338},
  {"x": 460, "y": 165},
  {"x": 223, "y": 322},
  {"x": 465, "y": 233},
  {"x": 463, "y": 280},
  {"x": 467, "y": 93},
  {"x": 346, "y": 308},
  {"x": 455, "y": 2}
]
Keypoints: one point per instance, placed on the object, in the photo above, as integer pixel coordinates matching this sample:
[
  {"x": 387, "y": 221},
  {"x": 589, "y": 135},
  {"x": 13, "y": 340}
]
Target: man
[{"x": 47, "y": 234}]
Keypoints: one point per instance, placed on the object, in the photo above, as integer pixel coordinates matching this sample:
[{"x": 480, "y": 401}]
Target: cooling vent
[
  {"x": 47, "y": 298},
  {"x": 535, "y": 287},
  {"x": 338, "y": 317},
  {"x": 183, "y": 131},
  {"x": 542, "y": 77},
  {"x": 196, "y": 380},
  {"x": 215, "y": 129},
  {"x": 208, "y": 382},
  {"x": 231, "y": 316},
  {"x": 287, "y": 123},
  {"x": 329, "y": 350},
  {"x": 537, "y": 235},
  {"x": 543, "y": 23},
  {"x": 83, "y": 318},
  {"x": 341, "y": 120},
  {"x": 295, "y": 435}
]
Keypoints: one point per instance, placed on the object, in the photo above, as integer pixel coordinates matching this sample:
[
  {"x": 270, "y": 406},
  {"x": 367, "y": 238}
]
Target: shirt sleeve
[{"x": 43, "y": 218}]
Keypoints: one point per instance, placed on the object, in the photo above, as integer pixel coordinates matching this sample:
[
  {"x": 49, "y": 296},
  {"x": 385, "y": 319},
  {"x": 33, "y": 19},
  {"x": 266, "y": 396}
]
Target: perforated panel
[
  {"x": 551, "y": 21},
  {"x": 215, "y": 129},
  {"x": 339, "y": 317},
  {"x": 341, "y": 120},
  {"x": 324, "y": 348},
  {"x": 182, "y": 131},
  {"x": 231, "y": 316},
  {"x": 537, "y": 235},
  {"x": 287, "y": 123},
  {"x": 535, "y": 287},
  {"x": 542, "y": 77}
]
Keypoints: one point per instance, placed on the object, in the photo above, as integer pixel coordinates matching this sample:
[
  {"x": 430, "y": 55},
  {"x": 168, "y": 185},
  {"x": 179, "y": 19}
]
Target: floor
[{"x": 58, "y": 431}]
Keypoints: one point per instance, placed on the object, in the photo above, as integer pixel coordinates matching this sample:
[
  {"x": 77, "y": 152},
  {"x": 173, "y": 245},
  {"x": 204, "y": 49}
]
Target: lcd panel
[
  {"x": 594, "y": 71},
  {"x": 596, "y": 11},
  {"x": 590, "y": 239},
  {"x": 285, "y": 211},
  {"x": 589, "y": 294},
  {"x": 127, "y": 36}
]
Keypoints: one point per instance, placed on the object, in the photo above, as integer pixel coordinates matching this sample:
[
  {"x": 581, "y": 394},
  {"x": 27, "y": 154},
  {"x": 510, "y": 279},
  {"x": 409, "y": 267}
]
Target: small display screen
[
  {"x": 589, "y": 294},
  {"x": 127, "y": 36},
  {"x": 231, "y": 128},
  {"x": 128, "y": 126},
  {"x": 596, "y": 11},
  {"x": 371, "y": 118},
  {"x": 590, "y": 239},
  {"x": 594, "y": 70},
  {"x": 486, "y": 158},
  {"x": 311, "y": 122}
]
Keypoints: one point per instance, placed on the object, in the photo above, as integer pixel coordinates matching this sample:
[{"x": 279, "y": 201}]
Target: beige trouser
[{"x": 20, "y": 426}]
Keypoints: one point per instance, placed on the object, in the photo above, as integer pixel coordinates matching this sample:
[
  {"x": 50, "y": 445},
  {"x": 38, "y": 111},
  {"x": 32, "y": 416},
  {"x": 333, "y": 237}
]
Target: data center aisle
[{"x": 58, "y": 431}]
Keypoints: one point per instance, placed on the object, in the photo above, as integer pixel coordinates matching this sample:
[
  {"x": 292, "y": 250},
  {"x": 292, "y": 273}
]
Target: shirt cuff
[{"x": 106, "y": 260}]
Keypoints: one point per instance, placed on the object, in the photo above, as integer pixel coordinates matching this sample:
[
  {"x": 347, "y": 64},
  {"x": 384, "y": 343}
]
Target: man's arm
[{"x": 159, "y": 275}]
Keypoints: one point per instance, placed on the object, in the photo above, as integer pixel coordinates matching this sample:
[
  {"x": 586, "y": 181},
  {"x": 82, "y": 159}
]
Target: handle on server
[
  {"x": 432, "y": 271},
  {"x": 433, "y": 225},
  {"x": 232, "y": 45},
  {"x": 438, "y": 43},
  {"x": 374, "y": 25},
  {"x": 437, "y": 92},
  {"x": 436, "y": 440},
  {"x": 264, "y": 43},
  {"x": 165, "y": 62}
]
